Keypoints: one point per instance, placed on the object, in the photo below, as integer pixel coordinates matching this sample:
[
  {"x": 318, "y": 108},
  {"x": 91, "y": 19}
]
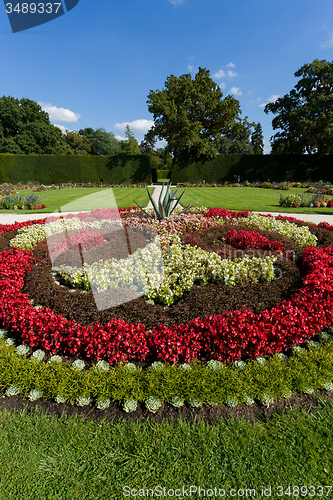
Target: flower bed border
[
  {"x": 230, "y": 336},
  {"x": 49, "y": 379}
]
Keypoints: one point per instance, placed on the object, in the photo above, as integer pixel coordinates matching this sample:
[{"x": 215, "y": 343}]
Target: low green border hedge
[{"x": 198, "y": 384}]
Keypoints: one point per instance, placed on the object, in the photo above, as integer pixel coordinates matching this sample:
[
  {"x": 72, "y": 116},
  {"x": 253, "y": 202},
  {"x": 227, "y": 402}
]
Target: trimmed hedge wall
[
  {"x": 54, "y": 169},
  {"x": 163, "y": 174},
  {"x": 6, "y": 166},
  {"x": 252, "y": 168}
]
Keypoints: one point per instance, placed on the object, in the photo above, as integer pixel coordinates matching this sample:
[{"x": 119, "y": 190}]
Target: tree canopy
[
  {"x": 130, "y": 145},
  {"x": 257, "y": 140},
  {"x": 305, "y": 115},
  {"x": 191, "y": 115},
  {"x": 103, "y": 142},
  {"x": 26, "y": 129},
  {"x": 79, "y": 144},
  {"x": 237, "y": 138}
]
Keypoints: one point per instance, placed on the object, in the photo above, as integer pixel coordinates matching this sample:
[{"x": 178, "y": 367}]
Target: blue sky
[{"x": 95, "y": 65}]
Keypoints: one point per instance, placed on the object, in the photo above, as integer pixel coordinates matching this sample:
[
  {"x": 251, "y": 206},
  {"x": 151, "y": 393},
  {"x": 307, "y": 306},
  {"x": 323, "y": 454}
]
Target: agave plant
[{"x": 166, "y": 205}]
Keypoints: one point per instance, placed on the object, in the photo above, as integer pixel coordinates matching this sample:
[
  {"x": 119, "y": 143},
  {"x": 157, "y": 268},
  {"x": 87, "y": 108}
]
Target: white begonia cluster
[
  {"x": 300, "y": 235},
  {"x": 29, "y": 236},
  {"x": 182, "y": 266},
  {"x": 142, "y": 269}
]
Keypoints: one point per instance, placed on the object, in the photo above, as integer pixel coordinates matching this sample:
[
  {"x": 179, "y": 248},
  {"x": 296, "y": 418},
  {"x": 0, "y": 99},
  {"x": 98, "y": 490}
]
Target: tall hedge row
[
  {"x": 55, "y": 169},
  {"x": 253, "y": 168},
  {"x": 6, "y": 166}
]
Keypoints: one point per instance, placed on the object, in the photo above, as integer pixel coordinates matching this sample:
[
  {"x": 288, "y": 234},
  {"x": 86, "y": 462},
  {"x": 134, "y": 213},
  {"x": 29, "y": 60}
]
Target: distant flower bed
[
  {"x": 19, "y": 203},
  {"x": 314, "y": 188},
  {"x": 302, "y": 200}
]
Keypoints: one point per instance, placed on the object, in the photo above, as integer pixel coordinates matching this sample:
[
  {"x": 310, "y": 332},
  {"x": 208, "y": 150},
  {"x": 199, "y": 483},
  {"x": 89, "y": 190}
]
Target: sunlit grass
[
  {"x": 104, "y": 198},
  {"x": 246, "y": 198},
  {"x": 45, "y": 457}
]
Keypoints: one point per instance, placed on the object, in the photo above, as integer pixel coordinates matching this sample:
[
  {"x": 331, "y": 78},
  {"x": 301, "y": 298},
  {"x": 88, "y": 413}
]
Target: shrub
[{"x": 290, "y": 200}]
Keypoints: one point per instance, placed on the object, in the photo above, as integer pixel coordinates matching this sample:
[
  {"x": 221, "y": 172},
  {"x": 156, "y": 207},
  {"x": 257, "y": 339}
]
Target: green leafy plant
[
  {"x": 177, "y": 402},
  {"x": 103, "y": 403},
  {"x": 166, "y": 205},
  {"x": 130, "y": 405},
  {"x": 153, "y": 404},
  {"x": 291, "y": 200},
  {"x": 83, "y": 400},
  {"x": 35, "y": 394}
]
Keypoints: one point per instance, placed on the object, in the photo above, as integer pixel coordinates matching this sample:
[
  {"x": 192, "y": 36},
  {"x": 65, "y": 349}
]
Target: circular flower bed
[{"x": 287, "y": 314}]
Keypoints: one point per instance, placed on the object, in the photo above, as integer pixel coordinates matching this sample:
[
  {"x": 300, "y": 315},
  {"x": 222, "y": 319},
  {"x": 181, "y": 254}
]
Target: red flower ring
[{"x": 229, "y": 336}]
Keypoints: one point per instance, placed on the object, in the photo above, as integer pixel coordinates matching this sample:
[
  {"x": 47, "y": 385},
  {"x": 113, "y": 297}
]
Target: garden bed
[{"x": 212, "y": 321}]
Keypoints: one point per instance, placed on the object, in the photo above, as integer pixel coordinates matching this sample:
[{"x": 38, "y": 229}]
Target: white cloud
[
  {"x": 230, "y": 65},
  {"x": 328, "y": 43},
  {"x": 59, "y": 114},
  {"x": 176, "y": 2},
  {"x": 62, "y": 128},
  {"x": 219, "y": 74},
  {"x": 190, "y": 68},
  {"x": 120, "y": 138},
  {"x": 236, "y": 90},
  {"x": 273, "y": 98},
  {"x": 140, "y": 126},
  {"x": 222, "y": 85}
]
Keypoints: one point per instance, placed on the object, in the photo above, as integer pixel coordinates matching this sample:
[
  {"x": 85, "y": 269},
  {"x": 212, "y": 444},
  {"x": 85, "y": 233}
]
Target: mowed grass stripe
[
  {"x": 246, "y": 198},
  {"x": 77, "y": 197}
]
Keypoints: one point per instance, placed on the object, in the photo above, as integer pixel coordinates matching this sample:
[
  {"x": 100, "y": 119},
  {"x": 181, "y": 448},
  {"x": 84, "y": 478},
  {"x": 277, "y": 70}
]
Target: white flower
[{"x": 10, "y": 342}]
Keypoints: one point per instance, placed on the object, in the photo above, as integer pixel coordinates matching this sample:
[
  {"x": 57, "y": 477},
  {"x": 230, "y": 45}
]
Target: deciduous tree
[
  {"x": 103, "y": 142},
  {"x": 305, "y": 115},
  {"x": 191, "y": 115},
  {"x": 237, "y": 138},
  {"x": 26, "y": 129},
  {"x": 79, "y": 144}
]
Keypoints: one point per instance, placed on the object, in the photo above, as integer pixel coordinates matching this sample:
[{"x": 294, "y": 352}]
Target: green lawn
[
  {"x": 68, "y": 458},
  {"x": 238, "y": 198},
  {"x": 77, "y": 199},
  {"x": 242, "y": 198}
]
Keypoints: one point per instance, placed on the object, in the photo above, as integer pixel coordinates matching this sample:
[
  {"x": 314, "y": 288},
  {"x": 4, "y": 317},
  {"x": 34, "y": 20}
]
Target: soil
[{"x": 167, "y": 413}]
